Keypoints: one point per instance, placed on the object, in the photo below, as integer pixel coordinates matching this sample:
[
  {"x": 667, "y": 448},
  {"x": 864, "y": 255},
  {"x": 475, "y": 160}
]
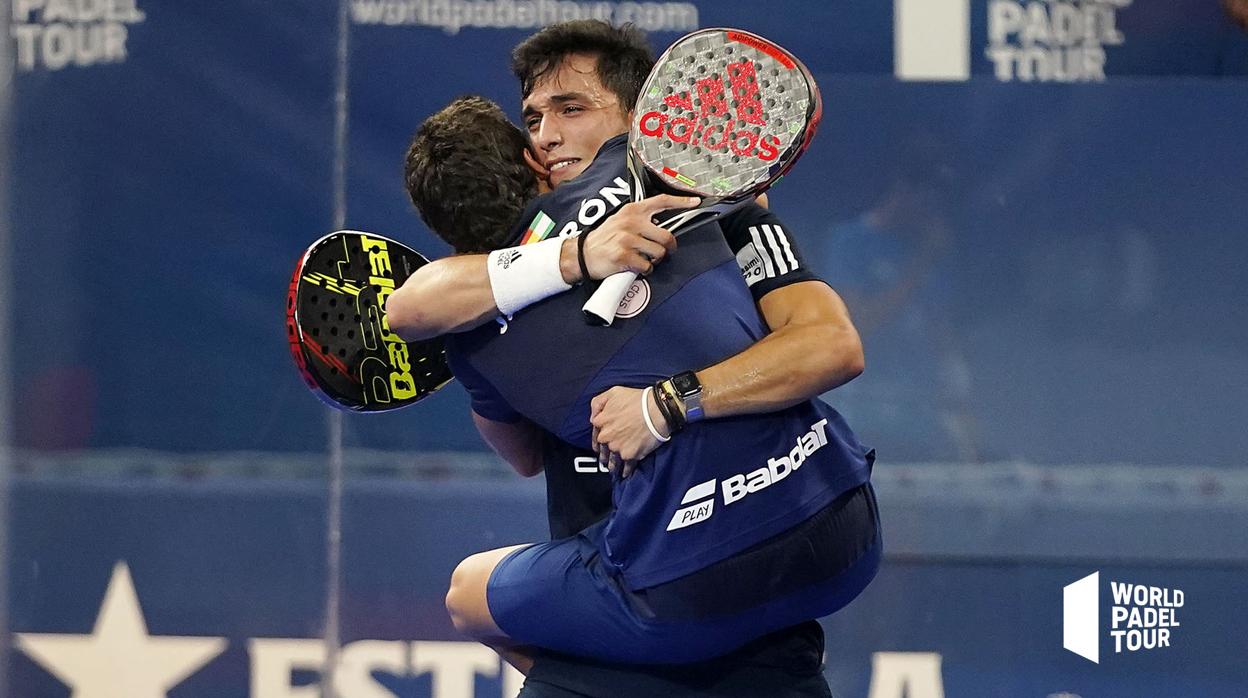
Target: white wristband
[
  {"x": 521, "y": 276},
  {"x": 645, "y": 413}
]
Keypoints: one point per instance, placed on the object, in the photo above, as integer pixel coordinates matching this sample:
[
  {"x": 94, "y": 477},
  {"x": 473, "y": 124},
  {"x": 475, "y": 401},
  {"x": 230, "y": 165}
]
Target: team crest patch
[{"x": 636, "y": 300}]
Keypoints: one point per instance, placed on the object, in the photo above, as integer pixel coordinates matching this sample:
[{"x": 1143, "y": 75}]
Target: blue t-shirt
[{"x": 720, "y": 485}]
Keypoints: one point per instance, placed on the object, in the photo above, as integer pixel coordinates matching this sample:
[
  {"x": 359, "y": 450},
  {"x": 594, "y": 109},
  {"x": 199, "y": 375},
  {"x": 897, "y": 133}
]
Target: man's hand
[
  {"x": 620, "y": 435},
  {"x": 627, "y": 241}
]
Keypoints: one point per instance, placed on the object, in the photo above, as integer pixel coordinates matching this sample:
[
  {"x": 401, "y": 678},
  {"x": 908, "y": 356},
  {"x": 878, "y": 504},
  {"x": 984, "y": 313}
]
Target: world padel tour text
[
  {"x": 54, "y": 34},
  {"x": 1142, "y": 616}
]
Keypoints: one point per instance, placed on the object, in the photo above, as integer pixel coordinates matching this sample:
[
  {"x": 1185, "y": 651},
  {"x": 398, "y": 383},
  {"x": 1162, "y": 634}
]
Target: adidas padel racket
[{"x": 723, "y": 115}]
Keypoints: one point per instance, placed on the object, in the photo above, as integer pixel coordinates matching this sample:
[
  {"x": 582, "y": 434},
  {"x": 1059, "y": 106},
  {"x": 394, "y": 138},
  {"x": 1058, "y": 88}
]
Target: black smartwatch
[{"x": 688, "y": 390}]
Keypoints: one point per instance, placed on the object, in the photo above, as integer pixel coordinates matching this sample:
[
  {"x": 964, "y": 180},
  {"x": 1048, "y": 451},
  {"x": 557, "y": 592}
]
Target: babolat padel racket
[
  {"x": 337, "y": 329},
  {"x": 723, "y": 115}
]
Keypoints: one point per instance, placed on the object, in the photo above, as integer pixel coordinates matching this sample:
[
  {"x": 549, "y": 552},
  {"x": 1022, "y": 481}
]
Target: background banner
[{"x": 1034, "y": 210}]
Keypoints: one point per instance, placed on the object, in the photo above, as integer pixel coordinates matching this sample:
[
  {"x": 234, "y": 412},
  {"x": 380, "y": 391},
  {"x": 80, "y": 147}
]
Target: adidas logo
[{"x": 506, "y": 259}]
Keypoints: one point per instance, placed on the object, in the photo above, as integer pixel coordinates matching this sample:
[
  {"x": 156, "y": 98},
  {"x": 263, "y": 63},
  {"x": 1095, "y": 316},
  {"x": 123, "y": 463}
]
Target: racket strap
[{"x": 709, "y": 211}]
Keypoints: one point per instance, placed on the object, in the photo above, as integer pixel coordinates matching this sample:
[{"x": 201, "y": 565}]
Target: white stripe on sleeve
[
  {"x": 762, "y": 252},
  {"x": 788, "y": 249},
  {"x": 775, "y": 250}
]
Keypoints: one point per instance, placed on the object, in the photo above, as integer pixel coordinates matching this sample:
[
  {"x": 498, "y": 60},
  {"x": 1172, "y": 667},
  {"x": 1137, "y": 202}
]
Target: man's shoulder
[{"x": 737, "y": 225}]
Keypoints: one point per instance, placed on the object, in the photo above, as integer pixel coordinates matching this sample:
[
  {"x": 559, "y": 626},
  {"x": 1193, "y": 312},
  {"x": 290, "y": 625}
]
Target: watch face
[{"x": 685, "y": 383}]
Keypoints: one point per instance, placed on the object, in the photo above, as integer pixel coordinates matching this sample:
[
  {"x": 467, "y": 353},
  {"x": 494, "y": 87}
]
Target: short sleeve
[
  {"x": 486, "y": 400},
  {"x": 766, "y": 252}
]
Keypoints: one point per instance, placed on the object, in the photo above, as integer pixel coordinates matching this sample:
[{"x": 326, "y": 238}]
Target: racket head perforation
[
  {"x": 366, "y": 368},
  {"x": 676, "y": 127}
]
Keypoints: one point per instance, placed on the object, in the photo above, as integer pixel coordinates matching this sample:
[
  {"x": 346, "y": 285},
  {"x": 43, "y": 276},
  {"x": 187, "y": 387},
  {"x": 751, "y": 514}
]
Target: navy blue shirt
[{"x": 720, "y": 485}]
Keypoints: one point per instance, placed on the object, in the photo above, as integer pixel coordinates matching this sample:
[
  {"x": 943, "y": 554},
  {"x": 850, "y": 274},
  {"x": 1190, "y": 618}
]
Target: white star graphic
[{"x": 119, "y": 659}]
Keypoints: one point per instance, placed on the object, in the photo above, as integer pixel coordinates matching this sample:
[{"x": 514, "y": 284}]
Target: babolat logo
[
  {"x": 609, "y": 198},
  {"x": 738, "y": 486},
  {"x": 699, "y": 510},
  {"x": 402, "y": 385},
  {"x": 700, "y": 498}
]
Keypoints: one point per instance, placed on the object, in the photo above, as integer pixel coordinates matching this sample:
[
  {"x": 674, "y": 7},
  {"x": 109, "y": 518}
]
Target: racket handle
[{"x": 601, "y": 307}]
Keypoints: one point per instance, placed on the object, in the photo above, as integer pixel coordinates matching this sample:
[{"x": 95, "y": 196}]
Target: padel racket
[
  {"x": 723, "y": 115},
  {"x": 337, "y": 329}
]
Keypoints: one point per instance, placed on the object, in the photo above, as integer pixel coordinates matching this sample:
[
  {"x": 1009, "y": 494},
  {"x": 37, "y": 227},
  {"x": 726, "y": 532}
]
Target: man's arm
[
  {"x": 454, "y": 294},
  {"x": 451, "y": 294},
  {"x": 813, "y": 348},
  {"x": 518, "y": 443}
]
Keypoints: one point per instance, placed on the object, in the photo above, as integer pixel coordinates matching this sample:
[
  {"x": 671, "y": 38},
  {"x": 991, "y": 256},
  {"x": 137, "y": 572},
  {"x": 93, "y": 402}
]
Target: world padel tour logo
[
  {"x": 1028, "y": 40},
  {"x": 56, "y": 34},
  {"x": 1052, "y": 41},
  {"x": 1141, "y": 617}
]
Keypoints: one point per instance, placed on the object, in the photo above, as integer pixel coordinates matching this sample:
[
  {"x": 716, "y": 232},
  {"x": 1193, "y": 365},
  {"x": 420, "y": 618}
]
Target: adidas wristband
[{"x": 521, "y": 276}]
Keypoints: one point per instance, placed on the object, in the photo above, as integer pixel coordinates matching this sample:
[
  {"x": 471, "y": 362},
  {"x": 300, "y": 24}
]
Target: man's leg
[{"x": 467, "y": 602}]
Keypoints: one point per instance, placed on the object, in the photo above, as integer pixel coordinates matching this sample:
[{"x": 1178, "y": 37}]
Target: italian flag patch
[{"x": 541, "y": 226}]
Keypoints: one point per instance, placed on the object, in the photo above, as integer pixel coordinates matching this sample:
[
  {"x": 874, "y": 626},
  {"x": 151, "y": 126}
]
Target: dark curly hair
[
  {"x": 466, "y": 174},
  {"x": 624, "y": 56}
]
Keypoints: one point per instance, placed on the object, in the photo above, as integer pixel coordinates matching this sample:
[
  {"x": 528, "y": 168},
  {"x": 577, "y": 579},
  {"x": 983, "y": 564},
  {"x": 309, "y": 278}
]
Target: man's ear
[
  {"x": 543, "y": 174},
  {"x": 534, "y": 165}
]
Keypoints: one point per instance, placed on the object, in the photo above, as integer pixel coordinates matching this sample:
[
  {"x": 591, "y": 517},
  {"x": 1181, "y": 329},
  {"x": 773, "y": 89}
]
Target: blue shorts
[{"x": 560, "y": 596}]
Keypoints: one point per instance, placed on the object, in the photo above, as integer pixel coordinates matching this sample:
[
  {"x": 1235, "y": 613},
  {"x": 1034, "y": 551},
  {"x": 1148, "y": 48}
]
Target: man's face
[{"x": 569, "y": 115}]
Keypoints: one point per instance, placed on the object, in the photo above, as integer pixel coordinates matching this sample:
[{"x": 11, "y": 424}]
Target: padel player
[
  {"x": 770, "y": 271},
  {"x": 636, "y": 591}
]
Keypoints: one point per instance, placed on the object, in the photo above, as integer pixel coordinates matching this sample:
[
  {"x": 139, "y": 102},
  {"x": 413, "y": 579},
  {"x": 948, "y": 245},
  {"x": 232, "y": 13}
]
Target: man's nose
[{"x": 548, "y": 134}]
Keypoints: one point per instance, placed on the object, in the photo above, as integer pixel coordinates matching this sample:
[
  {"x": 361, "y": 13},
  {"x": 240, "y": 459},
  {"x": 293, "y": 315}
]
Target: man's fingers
[
  {"x": 659, "y": 236},
  {"x": 651, "y": 250},
  {"x": 640, "y": 264},
  {"x": 662, "y": 202}
]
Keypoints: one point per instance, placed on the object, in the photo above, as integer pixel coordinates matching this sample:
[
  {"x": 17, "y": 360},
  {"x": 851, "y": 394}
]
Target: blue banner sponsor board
[{"x": 220, "y": 589}]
